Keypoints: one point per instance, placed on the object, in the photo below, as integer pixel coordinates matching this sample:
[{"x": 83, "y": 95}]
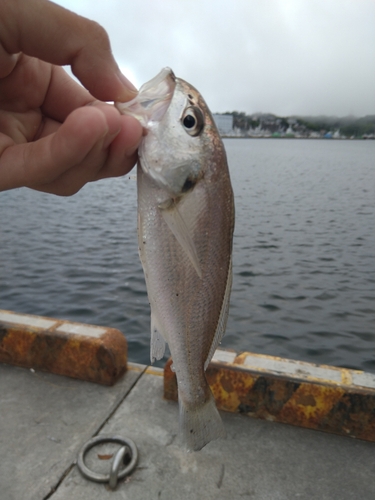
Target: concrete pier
[{"x": 45, "y": 419}]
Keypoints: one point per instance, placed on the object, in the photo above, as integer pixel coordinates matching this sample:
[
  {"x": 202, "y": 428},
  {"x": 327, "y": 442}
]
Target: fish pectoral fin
[
  {"x": 222, "y": 323},
  {"x": 157, "y": 340},
  {"x": 177, "y": 225}
]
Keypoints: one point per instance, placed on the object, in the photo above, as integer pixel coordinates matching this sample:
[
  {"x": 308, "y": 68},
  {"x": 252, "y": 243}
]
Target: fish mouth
[{"x": 153, "y": 99}]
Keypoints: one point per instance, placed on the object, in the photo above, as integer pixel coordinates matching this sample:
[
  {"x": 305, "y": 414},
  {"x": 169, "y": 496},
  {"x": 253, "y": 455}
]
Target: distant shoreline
[
  {"x": 299, "y": 138},
  {"x": 261, "y": 125}
]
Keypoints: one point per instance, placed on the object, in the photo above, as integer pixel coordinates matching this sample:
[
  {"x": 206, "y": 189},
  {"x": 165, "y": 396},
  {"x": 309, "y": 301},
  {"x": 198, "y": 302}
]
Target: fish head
[{"x": 179, "y": 128}]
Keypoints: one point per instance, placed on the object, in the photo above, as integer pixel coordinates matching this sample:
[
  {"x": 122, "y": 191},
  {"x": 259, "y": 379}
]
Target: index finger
[{"x": 49, "y": 32}]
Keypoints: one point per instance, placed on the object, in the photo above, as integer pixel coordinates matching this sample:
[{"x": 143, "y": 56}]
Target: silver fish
[{"x": 185, "y": 232}]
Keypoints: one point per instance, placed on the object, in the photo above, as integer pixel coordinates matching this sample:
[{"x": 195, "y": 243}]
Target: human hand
[{"x": 54, "y": 135}]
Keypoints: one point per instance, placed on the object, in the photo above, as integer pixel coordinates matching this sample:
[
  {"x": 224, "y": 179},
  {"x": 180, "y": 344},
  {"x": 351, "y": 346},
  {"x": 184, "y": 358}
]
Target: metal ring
[
  {"x": 105, "y": 478},
  {"x": 116, "y": 464}
]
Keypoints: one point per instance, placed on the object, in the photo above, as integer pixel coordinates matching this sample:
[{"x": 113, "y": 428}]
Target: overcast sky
[{"x": 280, "y": 56}]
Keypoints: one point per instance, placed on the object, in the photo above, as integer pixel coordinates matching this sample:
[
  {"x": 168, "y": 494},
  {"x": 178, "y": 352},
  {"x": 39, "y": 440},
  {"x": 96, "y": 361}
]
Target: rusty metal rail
[
  {"x": 87, "y": 352},
  {"x": 325, "y": 398}
]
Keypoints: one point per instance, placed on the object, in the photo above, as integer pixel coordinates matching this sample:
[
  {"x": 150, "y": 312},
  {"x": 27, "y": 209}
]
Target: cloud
[{"x": 280, "y": 56}]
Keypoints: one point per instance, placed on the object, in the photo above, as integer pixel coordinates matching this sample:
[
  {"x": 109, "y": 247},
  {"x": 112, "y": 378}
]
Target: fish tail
[{"x": 200, "y": 425}]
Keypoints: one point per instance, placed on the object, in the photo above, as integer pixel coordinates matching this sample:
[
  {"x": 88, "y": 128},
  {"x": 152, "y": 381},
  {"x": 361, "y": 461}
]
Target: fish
[{"x": 185, "y": 236}]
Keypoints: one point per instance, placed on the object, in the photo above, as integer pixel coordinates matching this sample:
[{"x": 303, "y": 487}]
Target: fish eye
[
  {"x": 189, "y": 121},
  {"x": 193, "y": 121}
]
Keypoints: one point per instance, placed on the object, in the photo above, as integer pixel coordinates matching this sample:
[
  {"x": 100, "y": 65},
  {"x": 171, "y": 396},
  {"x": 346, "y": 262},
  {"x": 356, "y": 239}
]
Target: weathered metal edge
[
  {"x": 302, "y": 397},
  {"x": 86, "y": 352}
]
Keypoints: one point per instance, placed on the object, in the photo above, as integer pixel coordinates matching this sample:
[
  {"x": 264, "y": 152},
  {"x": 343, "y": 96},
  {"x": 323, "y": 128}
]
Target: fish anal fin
[
  {"x": 157, "y": 340},
  {"x": 177, "y": 225}
]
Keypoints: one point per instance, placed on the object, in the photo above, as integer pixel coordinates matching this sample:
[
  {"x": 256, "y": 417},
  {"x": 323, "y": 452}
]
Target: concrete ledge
[
  {"x": 325, "y": 398},
  {"x": 87, "y": 352}
]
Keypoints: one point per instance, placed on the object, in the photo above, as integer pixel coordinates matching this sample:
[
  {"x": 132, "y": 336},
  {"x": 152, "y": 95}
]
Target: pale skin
[{"x": 55, "y": 136}]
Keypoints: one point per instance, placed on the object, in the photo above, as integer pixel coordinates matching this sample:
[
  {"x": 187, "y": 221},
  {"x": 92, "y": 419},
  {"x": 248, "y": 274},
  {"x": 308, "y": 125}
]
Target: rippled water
[{"x": 304, "y": 248}]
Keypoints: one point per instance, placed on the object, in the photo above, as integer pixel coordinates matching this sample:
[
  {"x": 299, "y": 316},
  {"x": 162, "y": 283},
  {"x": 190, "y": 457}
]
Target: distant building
[
  {"x": 337, "y": 135},
  {"x": 224, "y": 123}
]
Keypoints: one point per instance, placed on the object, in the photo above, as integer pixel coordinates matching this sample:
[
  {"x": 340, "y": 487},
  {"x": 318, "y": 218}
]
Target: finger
[
  {"x": 123, "y": 149},
  {"x": 101, "y": 161},
  {"x": 47, "y": 31},
  {"x": 113, "y": 117},
  {"x": 64, "y": 95},
  {"x": 43, "y": 161},
  {"x": 94, "y": 142},
  {"x": 7, "y": 62},
  {"x": 49, "y": 88}
]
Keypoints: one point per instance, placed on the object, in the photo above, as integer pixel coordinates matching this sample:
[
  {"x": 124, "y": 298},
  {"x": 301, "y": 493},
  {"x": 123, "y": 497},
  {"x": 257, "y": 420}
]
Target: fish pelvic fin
[
  {"x": 177, "y": 225},
  {"x": 157, "y": 340},
  {"x": 222, "y": 323},
  {"x": 200, "y": 425}
]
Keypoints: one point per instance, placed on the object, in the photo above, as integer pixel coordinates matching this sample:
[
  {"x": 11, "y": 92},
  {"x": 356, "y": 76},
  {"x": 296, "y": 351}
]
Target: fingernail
[{"x": 129, "y": 90}]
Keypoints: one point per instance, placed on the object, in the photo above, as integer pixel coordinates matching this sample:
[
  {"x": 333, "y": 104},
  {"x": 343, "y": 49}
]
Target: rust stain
[
  {"x": 299, "y": 410},
  {"x": 101, "y": 359},
  {"x": 228, "y": 385},
  {"x": 355, "y": 414},
  {"x": 348, "y": 411},
  {"x": 170, "y": 382},
  {"x": 306, "y": 400},
  {"x": 105, "y": 457},
  {"x": 16, "y": 345},
  {"x": 240, "y": 359}
]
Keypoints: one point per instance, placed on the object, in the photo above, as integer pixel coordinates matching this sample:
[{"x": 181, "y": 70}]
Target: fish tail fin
[{"x": 200, "y": 425}]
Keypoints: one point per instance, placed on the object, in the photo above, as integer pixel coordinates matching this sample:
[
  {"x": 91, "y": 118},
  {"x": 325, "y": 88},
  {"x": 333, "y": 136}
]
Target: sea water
[{"x": 303, "y": 254}]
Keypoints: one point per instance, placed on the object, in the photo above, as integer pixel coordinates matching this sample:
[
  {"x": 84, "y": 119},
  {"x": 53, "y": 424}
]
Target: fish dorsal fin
[
  {"x": 222, "y": 323},
  {"x": 157, "y": 340},
  {"x": 177, "y": 225}
]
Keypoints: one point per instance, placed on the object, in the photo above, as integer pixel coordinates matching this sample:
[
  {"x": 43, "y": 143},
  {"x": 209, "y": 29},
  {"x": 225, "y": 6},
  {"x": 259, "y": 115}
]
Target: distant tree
[
  {"x": 358, "y": 129},
  {"x": 313, "y": 126},
  {"x": 284, "y": 125}
]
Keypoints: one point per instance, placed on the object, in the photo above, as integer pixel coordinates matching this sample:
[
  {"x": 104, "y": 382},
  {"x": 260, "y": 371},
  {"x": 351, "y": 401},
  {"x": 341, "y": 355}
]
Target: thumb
[{"x": 56, "y": 35}]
